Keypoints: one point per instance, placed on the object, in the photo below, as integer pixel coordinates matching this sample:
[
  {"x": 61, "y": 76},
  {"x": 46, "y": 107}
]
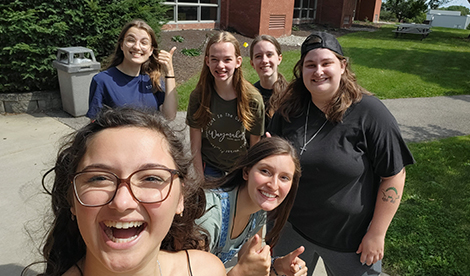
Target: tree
[
  {"x": 406, "y": 9},
  {"x": 434, "y": 4},
  {"x": 463, "y": 10}
]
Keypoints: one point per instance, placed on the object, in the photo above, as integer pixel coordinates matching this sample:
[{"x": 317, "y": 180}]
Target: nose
[
  {"x": 123, "y": 200},
  {"x": 273, "y": 182},
  {"x": 265, "y": 59}
]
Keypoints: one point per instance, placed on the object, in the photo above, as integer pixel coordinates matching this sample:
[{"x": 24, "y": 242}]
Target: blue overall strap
[{"x": 225, "y": 209}]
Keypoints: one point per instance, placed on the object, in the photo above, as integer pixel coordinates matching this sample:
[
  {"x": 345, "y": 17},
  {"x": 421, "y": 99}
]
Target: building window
[
  {"x": 191, "y": 11},
  {"x": 304, "y": 10}
]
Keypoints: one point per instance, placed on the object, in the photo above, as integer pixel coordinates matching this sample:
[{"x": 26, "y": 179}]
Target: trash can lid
[{"x": 71, "y": 51}]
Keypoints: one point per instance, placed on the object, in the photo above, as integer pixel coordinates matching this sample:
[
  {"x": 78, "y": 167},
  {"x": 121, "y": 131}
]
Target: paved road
[{"x": 29, "y": 143}]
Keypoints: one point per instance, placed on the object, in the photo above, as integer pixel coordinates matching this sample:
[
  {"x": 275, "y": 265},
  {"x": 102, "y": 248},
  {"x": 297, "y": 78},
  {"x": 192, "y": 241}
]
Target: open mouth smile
[{"x": 121, "y": 232}]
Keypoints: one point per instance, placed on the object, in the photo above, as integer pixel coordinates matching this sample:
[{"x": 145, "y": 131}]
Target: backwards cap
[{"x": 321, "y": 40}]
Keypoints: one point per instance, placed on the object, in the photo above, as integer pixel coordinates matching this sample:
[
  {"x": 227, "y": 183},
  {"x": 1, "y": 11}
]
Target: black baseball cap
[{"x": 321, "y": 40}]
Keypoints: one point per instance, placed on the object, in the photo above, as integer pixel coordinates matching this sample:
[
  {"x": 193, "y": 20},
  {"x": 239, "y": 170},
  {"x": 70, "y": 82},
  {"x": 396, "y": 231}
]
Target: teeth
[
  {"x": 109, "y": 233},
  {"x": 122, "y": 225},
  {"x": 268, "y": 195}
]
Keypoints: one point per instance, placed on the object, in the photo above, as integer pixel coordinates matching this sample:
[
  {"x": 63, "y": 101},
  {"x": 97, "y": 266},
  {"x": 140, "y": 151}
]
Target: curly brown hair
[{"x": 64, "y": 245}]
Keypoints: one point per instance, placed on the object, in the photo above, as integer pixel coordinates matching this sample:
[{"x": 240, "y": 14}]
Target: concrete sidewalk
[{"x": 29, "y": 144}]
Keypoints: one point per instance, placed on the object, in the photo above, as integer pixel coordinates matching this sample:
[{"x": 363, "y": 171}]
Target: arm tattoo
[{"x": 390, "y": 194}]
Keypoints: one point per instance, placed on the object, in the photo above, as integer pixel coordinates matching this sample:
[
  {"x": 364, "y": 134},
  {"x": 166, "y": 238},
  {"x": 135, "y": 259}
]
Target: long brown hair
[
  {"x": 64, "y": 245},
  {"x": 280, "y": 85},
  {"x": 205, "y": 87},
  {"x": 264, "y": 148},
  {"x": 297, "y": 96},
  {"x": 151, "y": 67}
]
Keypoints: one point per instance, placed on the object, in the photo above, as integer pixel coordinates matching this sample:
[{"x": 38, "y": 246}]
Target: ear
[
  {"x": 72, "y": 210},
  {"x": 206, "y": 58},
  {"x": 180, "y": 206},
  {"x": 343, "y": 66},
  {"x": 252, "y": 64},
  {"x": 239, "y": 61},
  {"x": 280, "y": 59},
  {"x": 246, "y": 172}
]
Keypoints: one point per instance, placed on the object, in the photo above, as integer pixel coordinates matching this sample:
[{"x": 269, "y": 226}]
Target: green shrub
[{"x": 32, "y": 30}]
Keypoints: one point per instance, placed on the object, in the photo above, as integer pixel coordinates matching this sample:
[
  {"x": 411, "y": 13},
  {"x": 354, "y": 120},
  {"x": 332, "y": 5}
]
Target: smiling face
[
  {"x": 125, "y": 235},
  {"x": 265, "y": 59},
  {"x": 222, "y": 61},
  {"x": 321, "y": 72},
  {"x": 269, "y": 181},
  {"x": 136, "y": 46}
]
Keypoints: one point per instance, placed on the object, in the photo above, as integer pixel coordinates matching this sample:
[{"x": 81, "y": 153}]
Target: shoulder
[
  {"x": 205, "y": 263},
  {"x": 106, "y": 75}
]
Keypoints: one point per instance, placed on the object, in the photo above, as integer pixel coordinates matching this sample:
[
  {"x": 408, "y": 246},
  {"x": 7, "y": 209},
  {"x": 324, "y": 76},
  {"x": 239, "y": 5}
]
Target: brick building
[{"x": 274, "y": 17}]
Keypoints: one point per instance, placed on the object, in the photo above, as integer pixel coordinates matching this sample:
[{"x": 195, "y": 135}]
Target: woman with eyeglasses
[
  {"x": 135, "y": 74},
  {"x": 353, "y": 160},
  {"x": 124, "y": 202}
]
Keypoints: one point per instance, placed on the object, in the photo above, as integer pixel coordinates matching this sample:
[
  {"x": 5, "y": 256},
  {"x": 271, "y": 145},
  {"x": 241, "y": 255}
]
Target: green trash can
[{"x": 75, "y": 66}]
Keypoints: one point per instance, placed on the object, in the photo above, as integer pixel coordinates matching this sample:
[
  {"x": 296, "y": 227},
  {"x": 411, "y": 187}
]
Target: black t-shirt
[
  {"x": 266, "y": 93},
  {"x": 341, "y": 170}
]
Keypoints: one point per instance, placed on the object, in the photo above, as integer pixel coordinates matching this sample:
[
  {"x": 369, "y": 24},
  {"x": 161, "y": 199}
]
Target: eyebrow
[{"x": 109, "y": 168}]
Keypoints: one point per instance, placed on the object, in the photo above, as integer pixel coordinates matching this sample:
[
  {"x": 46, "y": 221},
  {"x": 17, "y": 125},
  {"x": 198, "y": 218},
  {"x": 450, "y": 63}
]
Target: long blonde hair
[{"x": 205, "y": 87}]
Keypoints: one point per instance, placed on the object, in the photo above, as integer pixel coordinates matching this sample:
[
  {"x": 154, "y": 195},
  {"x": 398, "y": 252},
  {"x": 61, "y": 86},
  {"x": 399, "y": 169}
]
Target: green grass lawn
[
  {"x": 430, "y": 234},
  {"x": 390, "y": 67}
]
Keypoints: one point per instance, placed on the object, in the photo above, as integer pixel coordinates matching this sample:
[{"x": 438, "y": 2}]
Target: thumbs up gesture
[
  {"x": 253, "y": 260},
  {"x": 166, "y": 60},
  {"x": 291, "y": 264}
]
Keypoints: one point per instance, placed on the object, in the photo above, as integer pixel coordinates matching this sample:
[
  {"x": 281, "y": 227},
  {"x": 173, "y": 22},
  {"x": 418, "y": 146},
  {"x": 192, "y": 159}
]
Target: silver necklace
[
  {"x": 304, "y": 148},
  {"x": 159, "y": 268}
]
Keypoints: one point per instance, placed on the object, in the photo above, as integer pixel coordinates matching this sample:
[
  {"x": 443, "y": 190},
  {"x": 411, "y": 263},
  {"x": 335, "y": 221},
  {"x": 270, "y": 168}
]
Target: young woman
[
  {"x": 353, "y": 160},
  {"x": 134, "y": 77},
  {"x": 265, "y": 57},
  {"x": 225, "y": 112},
  {"x": 121, "y": 185},
  {"x": 264, "y": 180}
]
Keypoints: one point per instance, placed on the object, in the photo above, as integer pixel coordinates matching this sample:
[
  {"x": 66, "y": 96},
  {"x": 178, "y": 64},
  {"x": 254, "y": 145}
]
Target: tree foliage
[
  {"x": 463, "y": 10},
  {"x": 406, "y": 10},
  {"x": 32, "y": 30}
]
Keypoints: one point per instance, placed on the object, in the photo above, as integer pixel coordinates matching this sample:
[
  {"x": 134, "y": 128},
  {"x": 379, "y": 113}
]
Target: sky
[{"x": 458, "y": 3}]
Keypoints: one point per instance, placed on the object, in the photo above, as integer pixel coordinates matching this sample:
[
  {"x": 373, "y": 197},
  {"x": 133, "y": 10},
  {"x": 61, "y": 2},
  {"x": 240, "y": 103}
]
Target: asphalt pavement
[{"x": 29, "y": 144}]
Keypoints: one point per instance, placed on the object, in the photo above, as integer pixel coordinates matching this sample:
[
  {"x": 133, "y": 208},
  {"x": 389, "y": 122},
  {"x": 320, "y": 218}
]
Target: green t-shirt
[{"x": 224, "y": 138}]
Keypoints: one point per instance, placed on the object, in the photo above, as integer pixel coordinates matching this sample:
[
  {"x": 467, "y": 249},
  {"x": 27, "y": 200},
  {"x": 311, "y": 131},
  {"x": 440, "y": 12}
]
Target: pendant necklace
[
  {"x": 304, "y": 148},
  {"x": 159, "y": 268}
]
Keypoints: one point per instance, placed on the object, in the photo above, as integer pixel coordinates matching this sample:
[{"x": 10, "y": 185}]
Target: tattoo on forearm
[{"x": 390, "y": 194}]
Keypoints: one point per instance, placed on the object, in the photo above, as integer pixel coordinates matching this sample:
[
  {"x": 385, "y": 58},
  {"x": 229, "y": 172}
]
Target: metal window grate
[{"x": 277, "y": 21}]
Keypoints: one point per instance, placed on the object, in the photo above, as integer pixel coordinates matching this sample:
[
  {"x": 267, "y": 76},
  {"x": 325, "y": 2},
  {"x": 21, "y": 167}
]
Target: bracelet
[
  {"x": 169, "y": 77},
  {"x": 273, "y": 259}
]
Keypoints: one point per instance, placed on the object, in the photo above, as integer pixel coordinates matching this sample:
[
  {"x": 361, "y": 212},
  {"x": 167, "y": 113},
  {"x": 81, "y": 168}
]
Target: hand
[
  {"x": 291, "y": 264},
  {"x": 166, "y": 60},
  {"x": 371, "y": 248},
  {"x": 255, "y": 260}
]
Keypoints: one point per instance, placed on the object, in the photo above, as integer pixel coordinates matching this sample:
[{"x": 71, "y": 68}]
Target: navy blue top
[{"x": 114, "y": 89}]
